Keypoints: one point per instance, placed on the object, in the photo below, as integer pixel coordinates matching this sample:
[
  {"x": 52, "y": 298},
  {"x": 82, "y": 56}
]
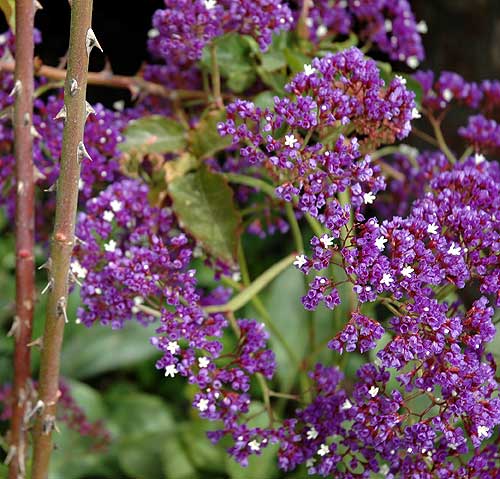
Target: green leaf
[
  {"x": 204, "y": 204},
  {"x": 264, "y": 100},
  {"x": 100, "y": 349},
  {"x": 274, "y": 58},
  {"x": 176, "y": 462},
  {"x": 153, "y": 134},
  {"x": 296, "y": 59},
  {"x": 205, "y": 139},
  {"x": 9, "y": 10},
  {"x": 140, "y": 424},
  {"x": 276, "y": 81},
  {"x": 235, "y": 60},
  {"x": 290, "y": 317}
]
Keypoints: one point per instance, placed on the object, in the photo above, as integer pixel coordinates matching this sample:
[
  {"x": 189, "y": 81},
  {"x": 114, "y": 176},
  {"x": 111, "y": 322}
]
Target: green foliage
[
  {"x": 204, "y": 204},
  {"x": 9, "y": 10},
  {"x": 205, "y": 139},
  {"x": 154, "y": 134}
]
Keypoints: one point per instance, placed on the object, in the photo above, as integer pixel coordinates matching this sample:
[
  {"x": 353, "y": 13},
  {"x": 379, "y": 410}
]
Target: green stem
[
  {"x": 468, "y": 151},
  {"x": 441, "y": 141},
  {"x": 73, "y": 152},
  {"x": 216, "y": 86},
  {"x": 251, "y": 181},
  {"x": 294, "y": 226}
]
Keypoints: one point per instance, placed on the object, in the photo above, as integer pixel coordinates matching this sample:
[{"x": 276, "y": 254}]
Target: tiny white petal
[
  {"x": 290, "y": 140},
  {"x": 203, "y": 362},
  {"x": 209, "y": 4},
  {"x": 323, "y": 450},
  {"x": 116, "y": 205},
  {"x": 482, "y": 431},
  {"x": 312, "y": 433},
  {"x": 454, "y": 250},
  {"x": 254, "y": 445},
  {"x": 380, "y": 243},
  {"x": 108, "y": 216},
  {"x": 387, "y": 279},
  {"x": 432, "y": 229},
  {"x": 326, "y": 241},
  {"x": 415, "y": 114},
  {"x": 173, "y": 347},
  {"x": 422, "y": 27},
  {"x": 347, "y": 405},
  {"x": 300, "y": 261},
  {"x": 478, "y": 158},
  {"x": 110, "y": 247},
  {"x": 202, "y": 404},
  {"x": 368, "y": 198},
  {"x": 407, "y": 271},
  {"x": 448, "y": 94},
  {"x": 373, "y": 391},
  {"x": 171, "y": 370},
  {"x": 412, "y": 62},
  {"x": 308, "y": 70}
]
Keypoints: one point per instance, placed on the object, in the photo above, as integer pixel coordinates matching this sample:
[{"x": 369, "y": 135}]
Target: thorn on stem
[
  {"x": 36, "y": 410},
  {"x": 61, "y": 308},
  {"x": 26, "y": 119},
  {"x": 82, "y": 152},
  {"x": 61, "y": 114},
  {"x": 49, "y": 424},
  {"x": 92, "y": 41},
  {"x": 47, "y": 265},
  {"x": 73, "y": 87},
  {"x": 18, "y": 86},
  {"x": 48, "y": 286},
  {"x": 37, "y": 342},
  {"x": 38, "y": 5},
  {"x": 89, "y": 110},
  {"x": 10, "y": 455},
  {"x": 34, "y": 132},
  {"x": 15, "y": 327}
]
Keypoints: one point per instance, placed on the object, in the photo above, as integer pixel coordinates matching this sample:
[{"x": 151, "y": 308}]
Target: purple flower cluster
[
  {"x": 481, "y": 133},
  {"x": 389, "y": 24},
  {"x": 185, "y": 27}
]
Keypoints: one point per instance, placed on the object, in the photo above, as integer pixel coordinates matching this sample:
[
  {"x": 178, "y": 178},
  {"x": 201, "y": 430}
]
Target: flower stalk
[
  {"x": 81, "y": 43},
  {"x": 25, "y": 226}
]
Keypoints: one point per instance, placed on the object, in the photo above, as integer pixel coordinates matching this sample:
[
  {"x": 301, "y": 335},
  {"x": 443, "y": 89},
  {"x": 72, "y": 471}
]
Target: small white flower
[
  {"x": 412, "y": 62},
  {"x": 203, "y": 362},
  {"x": 373, "y": 391},
  {"x": 116, "y": 205},
  {"x": 171, "y": 370},
  {"x": 309, "y": 70},
  {"x": 447, "y": 94},
  {"x": 380, "y": 243},
  {"x": 387, "y": 279},
  {"x": 432, "y": 229},
  {"x": 110, "y": 247},
  {"x": 422, "y": 27},
  {"x": 78, "y": 270},
  {"x": 209, "y": 4},
  {"x": 120, "y": 104},
  {"x": 300, "y": 260},
  {"x": 326, "y": 241},
  {"x": 415, "y": 114},
  {"x": 323, "y": 450},
  {"x": 388, "y": 25},
  {"x": 401, "y": 79},
  {"x": 236, "y": 276},
  {"x": 312, "y": 433},
  {"x": 478, "y": 158},
  {"x": 482, "y": 431},
  {"x": 321, "y": 31},
  {"x": 384, "y": 469},
  {"x": 368, "y": 198},
  {"x": 310, "y": 462},
  {"x": 454, "y": 250},
  {"x": 407, "y": 271},
  {"x": 173, "y": 347},
  {"x": 290, "y": 140},
  {"x": 202, "y": 404},
  {"x": 108, "y": 216},
  {"x": 347, "y": 405},
  {"x": 254, "y": 445}
]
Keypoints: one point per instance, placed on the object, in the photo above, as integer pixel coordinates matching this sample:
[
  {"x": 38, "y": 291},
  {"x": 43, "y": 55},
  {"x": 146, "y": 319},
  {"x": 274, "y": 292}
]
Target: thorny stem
[
  {"x": 73, "y": 151},
  {"x": 216, "y": 77},
  {"x": 25, "y": 227}
]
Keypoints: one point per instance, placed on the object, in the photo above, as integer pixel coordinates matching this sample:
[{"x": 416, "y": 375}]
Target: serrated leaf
[
  {"x": 9, "y": 10},
  {"x": 205, "y": 139},
  {"x": 99, "y": 349},
  {"x": 154, "y": 134},
  {"x": 204, "y": 204}
]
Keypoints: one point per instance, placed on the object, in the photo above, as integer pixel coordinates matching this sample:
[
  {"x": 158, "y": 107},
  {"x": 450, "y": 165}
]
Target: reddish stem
[{"x": 24, "y": 229}]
